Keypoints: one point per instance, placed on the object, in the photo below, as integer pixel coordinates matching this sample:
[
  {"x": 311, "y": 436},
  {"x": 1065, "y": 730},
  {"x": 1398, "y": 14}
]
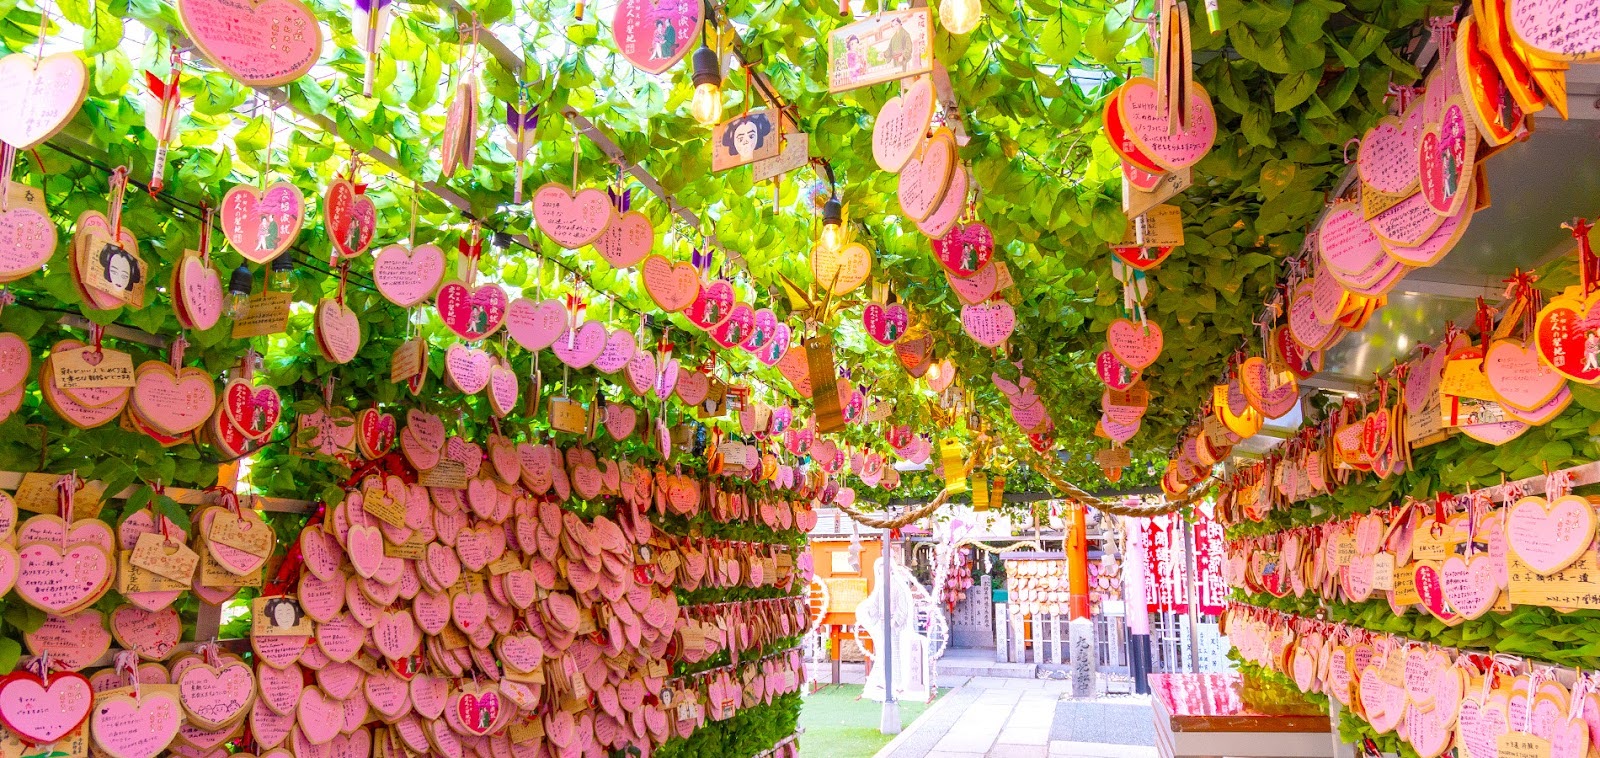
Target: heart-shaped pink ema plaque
[
  {"x": 976, "y": 288},
  {"x": 989, "y": 324},
  {"x": 261, "y": 44},
  {"x": 1430, "y": 588},
  {"x": 885, "y": 324},
  {"x": 214, "y": 696},
  {"x": 736, "y": 327},
  {"x": 407, "y": 277},
  {"x": 41, "y": 714},
  {"x": 1276, "y": 394},
  {"x": 692, "y": 386},
  {"x": 1549, "y": 536},
  {"x": 655, "y": 36},
  {"x": 262, "y": 224},
  {"x": 666, "y": 379},
  {"x": 1346, "y": 241},
  {"x": 349, "y": 217},
  {"x": 1517, "y": 376},
  {"x": 620, "y": 421},
  {"x": 626, "y": 240},
  {"x": 152, "y": 634},
  {"x": 199, "y": 288},
  {"x": 27, "y": 238},
  {"x": 777, "y": 347},
  {"x": 842, "y": 270},
  {"x": 965, "y": 249},
  {"x": 472, "y": 314},
  {"x": 641, "y": 372},
  {"x": 793, "y": 366},
  {"x": 618, "y": 351},
  {"x": 1030, "y": 416},
  {"x": 1388, "y": 156},
  {"x": 1114, "y": 373},
  {"x": 253, "y": 411},
  {"x": 468, "y": 368},
  {"x": 476, "y": 712},
  {"x": 40, "y": 96},
  {"x": 925, "y": 178},
  {"x": 1446, "y": 154},
  {"x": 902, "y": 125},
  {"x": 174, "y": 403},
  {"x": 77, "y": 641},
  {"x": 142, "y": 727},
  {"x": 338, "y": 330},
  {"x": 712, "y": 305},
  {"x": 944, "y": 217},
  {"x": 672, "y": 286},
  {"x": 535, "y": 325},
  {"x": 762, "y": 326},
  {"x": 1563, "y": 30},
  {"x": 1469, "y": 584},
  {"x": 571, "y": 220},
  {"x": 1137, "y": 345},
  {"x": 58, "y": 579},
  {"x": 581, "y": 348},
  {"x": 1171, "y": 148}
]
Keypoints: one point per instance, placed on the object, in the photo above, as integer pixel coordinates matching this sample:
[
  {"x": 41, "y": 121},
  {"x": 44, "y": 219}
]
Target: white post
[
  {"x": 1019, "y": 639},
  {"x": 889, "y": 723},
  {"x": 1000, "y": 636}
]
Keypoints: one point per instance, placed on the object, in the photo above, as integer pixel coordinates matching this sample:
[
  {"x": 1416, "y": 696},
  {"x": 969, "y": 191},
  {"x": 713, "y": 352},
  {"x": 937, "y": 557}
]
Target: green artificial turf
[{"x": 838, "y": 725}]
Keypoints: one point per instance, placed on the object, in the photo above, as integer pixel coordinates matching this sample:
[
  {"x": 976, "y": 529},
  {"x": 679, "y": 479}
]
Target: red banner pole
[{"x": 1078, "y": 560}]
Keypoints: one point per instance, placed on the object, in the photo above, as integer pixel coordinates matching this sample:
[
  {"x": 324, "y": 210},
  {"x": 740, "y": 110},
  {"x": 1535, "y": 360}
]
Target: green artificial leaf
[
  {"x": 1293, "y": 90},
  {"x": 1061, "y": 38},
  {"x": 174, "y": 512},
  {"x": 1275, "y": 177},
  {"x": 105, "y": 31},
  {"x": 1405, "y": 72},
  {"x": 111, "y": 72},
  {"x": 1265, "y": 15},
  {"x": 24, "y": 617},
  {"x": 10, "y": 653}
]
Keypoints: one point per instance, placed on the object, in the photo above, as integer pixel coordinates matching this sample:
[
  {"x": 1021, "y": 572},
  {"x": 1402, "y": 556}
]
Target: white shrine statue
[{"x": 910, "y": 649}]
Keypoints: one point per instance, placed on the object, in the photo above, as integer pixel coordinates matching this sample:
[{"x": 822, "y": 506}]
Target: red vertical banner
[
  {"x": 1209, "y": 555},
  {"x": 1166, "y": 586}
]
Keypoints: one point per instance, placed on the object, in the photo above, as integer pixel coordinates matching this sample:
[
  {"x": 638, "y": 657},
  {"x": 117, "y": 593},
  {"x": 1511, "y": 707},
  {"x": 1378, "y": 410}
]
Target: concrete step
[{"x": 978, "y": 668}]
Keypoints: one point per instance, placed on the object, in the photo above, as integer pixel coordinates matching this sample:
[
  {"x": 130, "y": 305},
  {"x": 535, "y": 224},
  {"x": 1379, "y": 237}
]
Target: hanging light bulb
[
  {"x": 707, "y": 104},
  {"x": 282, "y": 277},
  {"x": 960, "y": 16},
  {"x": 239, "y": 292},
  {"x": 832, "y": 225}
]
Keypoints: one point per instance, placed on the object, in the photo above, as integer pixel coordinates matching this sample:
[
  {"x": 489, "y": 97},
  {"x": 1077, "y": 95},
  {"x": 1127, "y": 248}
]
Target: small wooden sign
[
  {"x": 886, "y": 47},
  {"x": 819, "y": 359},
  {"x": 1114, "y": 457},
  {"x": 268, "y": 313},
  {"x": 1136, "y": 201},
  {"x": 1161, "y": 226},
  {"x": 86, "y": 367}
]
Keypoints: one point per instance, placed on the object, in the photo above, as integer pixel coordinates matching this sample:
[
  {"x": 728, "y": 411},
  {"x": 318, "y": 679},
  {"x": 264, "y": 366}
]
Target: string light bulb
[
  {"x": 282, "y": 277},
  {"x": 832, "y": 225},
  {"x": 706, "y": 107},
  {"x": 960, "y": 16},
  {"x": 239, "y": 292}
]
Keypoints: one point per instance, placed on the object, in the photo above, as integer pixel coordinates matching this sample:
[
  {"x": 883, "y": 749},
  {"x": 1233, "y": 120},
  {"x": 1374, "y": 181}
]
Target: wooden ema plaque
[{"x": 819, "y": 360}]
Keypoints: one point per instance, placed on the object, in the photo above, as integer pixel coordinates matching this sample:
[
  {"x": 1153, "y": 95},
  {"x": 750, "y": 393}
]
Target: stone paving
[{"x": 990, "y": 717}]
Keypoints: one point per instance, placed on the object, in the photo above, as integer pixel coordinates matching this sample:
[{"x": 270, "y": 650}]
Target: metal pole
[
  {"x": 1137, "y": 607},
  {"x": 889, "y": 721},
  {"x": 1189, "y": 569}
]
